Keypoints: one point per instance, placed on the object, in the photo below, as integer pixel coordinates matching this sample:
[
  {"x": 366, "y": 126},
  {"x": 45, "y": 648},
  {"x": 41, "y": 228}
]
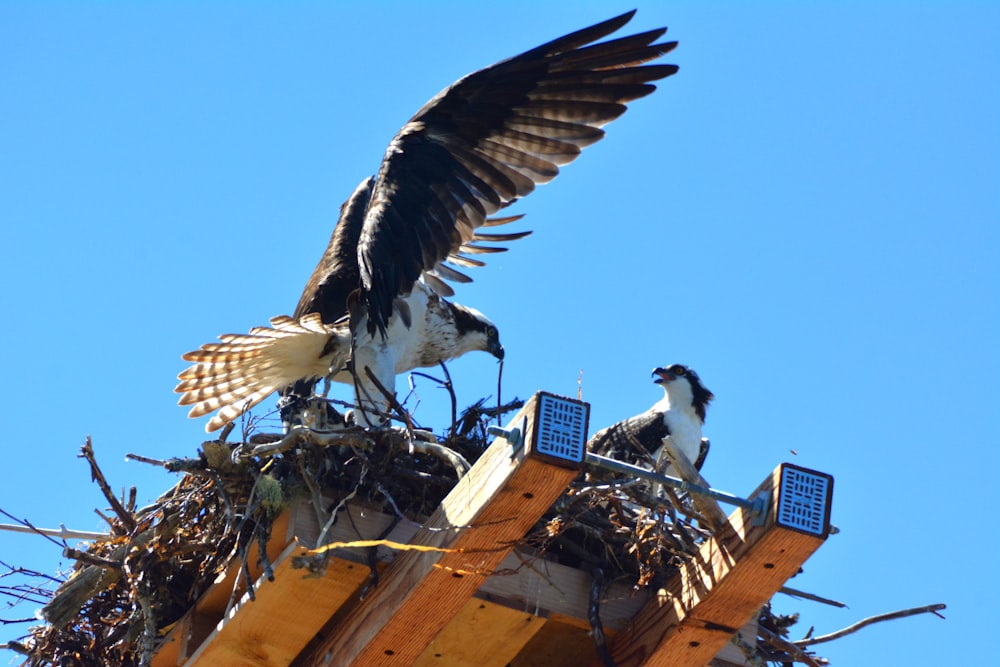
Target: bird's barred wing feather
[
  {"x": 486, "y": 141},
  {"x": 241, "y": 371}
]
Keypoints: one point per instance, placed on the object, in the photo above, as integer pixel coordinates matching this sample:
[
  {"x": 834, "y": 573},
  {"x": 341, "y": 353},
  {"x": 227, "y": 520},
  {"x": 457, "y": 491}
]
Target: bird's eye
[
  {"x": 491, "y": 332},
  {"x": 678, "y": 370}
]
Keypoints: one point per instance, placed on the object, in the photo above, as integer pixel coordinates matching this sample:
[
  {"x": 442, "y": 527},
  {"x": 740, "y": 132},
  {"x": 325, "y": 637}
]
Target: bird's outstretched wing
[
  {"x": 336, "y": 275},
  {"x": 486, "y": 141},
  {"x": 244, "y": 369}
]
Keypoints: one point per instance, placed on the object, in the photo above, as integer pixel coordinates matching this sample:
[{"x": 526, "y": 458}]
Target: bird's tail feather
[{"x": 244, "y": 369}]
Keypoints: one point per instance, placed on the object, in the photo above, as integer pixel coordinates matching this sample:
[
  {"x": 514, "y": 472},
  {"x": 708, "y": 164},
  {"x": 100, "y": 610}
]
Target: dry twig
[
  {"x": 87, "y": 452},
  {"x": 878, "y": 618}
]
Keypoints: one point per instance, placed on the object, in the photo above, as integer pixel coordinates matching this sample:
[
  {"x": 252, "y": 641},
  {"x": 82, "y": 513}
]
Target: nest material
[
  {"x": 149, "y": 571},
  {"x": 128, "y": 590}
]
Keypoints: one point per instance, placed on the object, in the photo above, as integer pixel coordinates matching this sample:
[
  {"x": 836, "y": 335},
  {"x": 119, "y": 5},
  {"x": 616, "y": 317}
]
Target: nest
[{"x": 127, "y": 590}]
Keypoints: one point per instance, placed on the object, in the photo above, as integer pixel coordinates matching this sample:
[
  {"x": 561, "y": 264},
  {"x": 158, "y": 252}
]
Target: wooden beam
[
  {"x": 525, "y": 586},
  {"x": 478, "y": 523},
  {"x": 565, "y": 642},
  {"x": 523, "y": 580},
  {"x": 197, "y": 624},
  {"x": 482, "y": 634},
  {"x": 732, "y": 576},
  {"x": 557, "y": 644},
  {"x": 286, "y": 614},
  {"x": 551, "y": 589}
]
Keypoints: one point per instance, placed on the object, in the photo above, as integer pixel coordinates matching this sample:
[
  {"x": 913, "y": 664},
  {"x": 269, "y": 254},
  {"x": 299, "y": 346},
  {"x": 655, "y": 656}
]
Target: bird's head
[
  {"x": 476, "y": 331},
  {"x": 683, "y": 387}
]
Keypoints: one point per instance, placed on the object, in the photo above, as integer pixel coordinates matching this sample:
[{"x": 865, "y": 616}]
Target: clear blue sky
[{"x": 807, "y": 214}]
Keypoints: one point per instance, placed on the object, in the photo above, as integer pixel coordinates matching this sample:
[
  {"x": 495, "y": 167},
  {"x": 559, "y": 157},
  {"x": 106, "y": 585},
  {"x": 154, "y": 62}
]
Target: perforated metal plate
[
  {"x": 562, "y": 428},
  {"x": 804, "y": 500}
]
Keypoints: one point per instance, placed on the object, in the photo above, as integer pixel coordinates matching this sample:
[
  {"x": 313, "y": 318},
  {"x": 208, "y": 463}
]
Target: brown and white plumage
[
  {"x": 486, "y": 141},
  {"x": 238, "y": 373},
  {"x": 472, "y": 150},
  {"x": 680, "y": 414}
]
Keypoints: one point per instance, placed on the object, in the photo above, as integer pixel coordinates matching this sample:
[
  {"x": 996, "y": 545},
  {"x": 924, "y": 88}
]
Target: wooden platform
[{"x": 472, "y": 596}]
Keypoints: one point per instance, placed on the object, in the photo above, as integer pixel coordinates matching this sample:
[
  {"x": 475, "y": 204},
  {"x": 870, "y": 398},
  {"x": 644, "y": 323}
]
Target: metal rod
[{"x": 644, "y": 473}]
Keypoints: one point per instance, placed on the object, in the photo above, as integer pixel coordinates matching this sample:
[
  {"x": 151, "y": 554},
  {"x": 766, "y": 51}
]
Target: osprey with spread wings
[{"x": 377, "y": 294}]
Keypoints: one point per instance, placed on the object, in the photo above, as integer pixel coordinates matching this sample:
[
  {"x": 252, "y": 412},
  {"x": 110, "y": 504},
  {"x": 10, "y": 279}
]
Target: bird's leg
[{"x": 368, "y": 397}]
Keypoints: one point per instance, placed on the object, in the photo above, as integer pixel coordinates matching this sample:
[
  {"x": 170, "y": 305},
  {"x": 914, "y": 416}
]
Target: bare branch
[
  {"x": 226, "y": 430},
  {"x": 456, "y": 460},
  {"x": 931, "y": 609},
  {"x": 30, "y": 528},
  {"x": 365, "y": 440},
  {"x": 62, "y": 532},
  {"x": 792, "y": 592},
  {"x": 17, "y": 647},
  {"x": 171, "y": 465},
  {"x": 91, "y": 559},
  {"x": 15, "y": 621},
  {"x": 706, "y": 506},
  {"x": 791, "y": 648},
  {"x": 401, "y": 413},
  {"x": 29, "y": 573},
  {"x": 321, "y": 540},
  {"x": 87, "y": 452},
  {"x": 301, "y": 435}
]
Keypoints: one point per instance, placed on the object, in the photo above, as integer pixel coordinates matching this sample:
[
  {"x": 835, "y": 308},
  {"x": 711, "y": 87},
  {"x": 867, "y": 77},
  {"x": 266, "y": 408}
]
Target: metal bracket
[{"x": 758, "y": 514}]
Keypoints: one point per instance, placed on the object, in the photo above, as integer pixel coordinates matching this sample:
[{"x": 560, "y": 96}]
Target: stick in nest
[
  {"x": 417, "y": 441},
  {"x": 87, "y": 452}
]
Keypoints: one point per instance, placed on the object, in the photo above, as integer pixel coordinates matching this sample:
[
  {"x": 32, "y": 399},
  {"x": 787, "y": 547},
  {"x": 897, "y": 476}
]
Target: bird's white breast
[{"x": 684, "y": 425}]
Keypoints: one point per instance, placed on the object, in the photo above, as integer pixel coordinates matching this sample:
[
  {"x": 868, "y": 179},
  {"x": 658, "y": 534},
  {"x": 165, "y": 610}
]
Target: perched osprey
[
  {"x": 376, "y": 296},
  {"x": 679, "y": 414}
]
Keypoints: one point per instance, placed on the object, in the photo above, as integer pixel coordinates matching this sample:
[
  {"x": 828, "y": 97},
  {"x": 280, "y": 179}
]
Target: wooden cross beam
[
  {"x": 734, "y": 573},
  {"x": 476, "y": 526},
  {"x": 271, "y": 630}
]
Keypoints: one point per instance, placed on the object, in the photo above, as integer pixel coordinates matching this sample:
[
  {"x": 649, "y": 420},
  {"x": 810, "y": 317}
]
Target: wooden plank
[
  {"x": 565, "y": 642},
  {"x": 558, "y": 643},
  {"x": 482, "y": 634},
  {"x": 480, "y": 521},
  {"x": 287, "y": 613},
  {"x": 169, "y": 652},
  {"x": 357, "y": 520},
  {"x": 523, "y": 580},
  {"x": 546, "y": 588},
  {"x": 192, "y": 629},
  {"x": 726, "y": 583}
]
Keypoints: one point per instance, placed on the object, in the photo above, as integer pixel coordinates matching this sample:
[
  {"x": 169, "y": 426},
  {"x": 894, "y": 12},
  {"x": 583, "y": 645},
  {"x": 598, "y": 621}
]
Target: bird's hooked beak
[
  {"x": 497, "y": 350},
  {"x": 662, "y": 375}
]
